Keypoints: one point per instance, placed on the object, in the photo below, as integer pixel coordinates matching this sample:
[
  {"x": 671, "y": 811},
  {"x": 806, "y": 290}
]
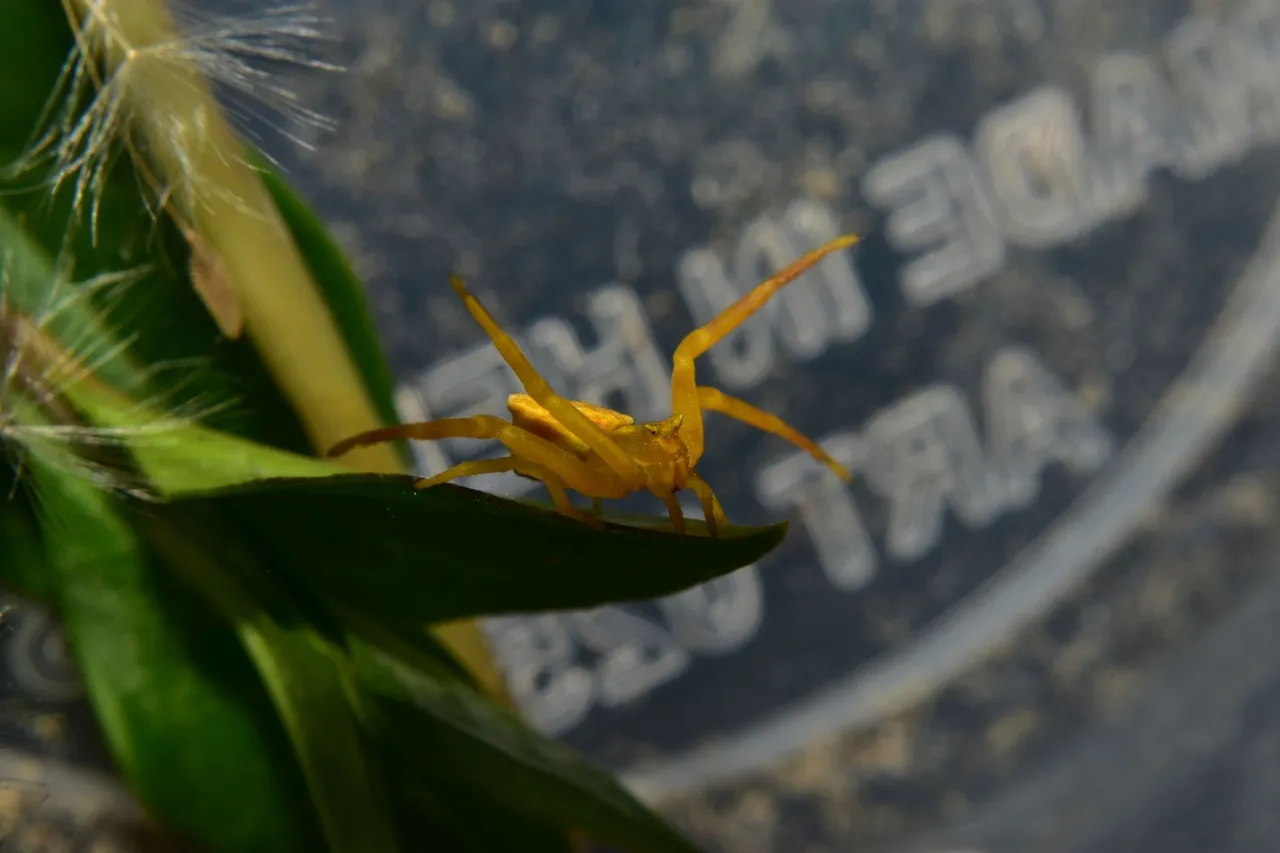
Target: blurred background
[{"x": 1046, "y": 615}]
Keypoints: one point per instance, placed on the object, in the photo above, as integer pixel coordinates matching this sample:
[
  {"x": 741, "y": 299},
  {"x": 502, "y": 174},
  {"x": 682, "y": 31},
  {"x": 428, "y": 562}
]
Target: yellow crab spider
[{"x": 600, "y": 453}]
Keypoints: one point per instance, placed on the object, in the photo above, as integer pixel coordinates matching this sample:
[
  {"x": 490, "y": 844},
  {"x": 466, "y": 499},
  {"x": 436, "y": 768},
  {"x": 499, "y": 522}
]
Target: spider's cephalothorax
[{"x": 600, "y": 453}]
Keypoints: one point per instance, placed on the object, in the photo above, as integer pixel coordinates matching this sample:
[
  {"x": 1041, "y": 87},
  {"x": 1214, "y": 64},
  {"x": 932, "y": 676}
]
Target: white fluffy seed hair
[
  {"x": 87, "y": 119},
  {"x": 66, "y": 315}
]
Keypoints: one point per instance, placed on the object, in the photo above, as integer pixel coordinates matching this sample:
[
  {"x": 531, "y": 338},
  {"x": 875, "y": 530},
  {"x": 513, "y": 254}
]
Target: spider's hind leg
[
  {"x": 476, "y": 426},
  {"x": 469, "y": 469},
  {"x": 673, "y": 511},
  {"x": 559, "y": 491},
  {"x": 714, "y": 400},
  {"x": 531, "y": 455}
]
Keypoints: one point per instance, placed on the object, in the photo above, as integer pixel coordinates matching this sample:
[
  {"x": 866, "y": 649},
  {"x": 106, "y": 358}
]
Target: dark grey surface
[
  {"x": 996, "y": 688},
  {"x": 1193, "y": 765}
]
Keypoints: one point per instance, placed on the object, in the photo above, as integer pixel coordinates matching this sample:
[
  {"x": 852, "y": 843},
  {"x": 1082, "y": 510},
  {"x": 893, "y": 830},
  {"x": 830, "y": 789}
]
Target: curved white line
[{"x": 1199, "y": 406}]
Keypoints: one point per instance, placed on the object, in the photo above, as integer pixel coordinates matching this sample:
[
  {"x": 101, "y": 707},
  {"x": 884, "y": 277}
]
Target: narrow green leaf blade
[
  {"x": 306, "y": 684},
  {"x": 182, "y": 710},
  {"x": 178, "y": 457},
  {"x": 24, "y": 566},
  {"x": 474, "y": 824},
  {"x": 450, "y": 736},
  {"x": 415, "y": 557}
]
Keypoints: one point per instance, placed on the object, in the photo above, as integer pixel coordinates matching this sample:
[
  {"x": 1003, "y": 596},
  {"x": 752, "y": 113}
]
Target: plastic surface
[{"x": 1044, "y": 616}]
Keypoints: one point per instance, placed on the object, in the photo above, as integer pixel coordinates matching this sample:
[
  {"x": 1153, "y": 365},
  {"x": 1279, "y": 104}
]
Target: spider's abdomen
[{"x": 528, "y": 414}]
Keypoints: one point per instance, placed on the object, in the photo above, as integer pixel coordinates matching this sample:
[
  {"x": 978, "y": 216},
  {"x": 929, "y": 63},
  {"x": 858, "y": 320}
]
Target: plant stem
[
  {"x": 199, "y": 156},
  {"x": 197, "y": 153}
]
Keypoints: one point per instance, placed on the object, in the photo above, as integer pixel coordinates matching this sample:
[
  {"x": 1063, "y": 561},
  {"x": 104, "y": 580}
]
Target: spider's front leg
[
  {"x": 684, "y": 386},
  {"x": 561, "y": 409}
]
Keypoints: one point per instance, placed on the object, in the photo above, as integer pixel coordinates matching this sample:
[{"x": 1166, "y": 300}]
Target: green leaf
[
  {"x": 24, "y": 566},
  {"x": 446, "y": 735},
  {"x": 179, "y": 457},
  {"x": 180, "y": 341},
  {"x": 33, "y": 285},
  {"x": 301, "y": 672},
  {"x": 416, "y": 648},
  {"x": 196, "y": 368},
  {"x": 343, "y": 292},
  {"x": 34, "y": 42},
  {"x": 472, "y": 824},
  {"x": 183, "y": 711},
  {"x": 407, "y": 557}
]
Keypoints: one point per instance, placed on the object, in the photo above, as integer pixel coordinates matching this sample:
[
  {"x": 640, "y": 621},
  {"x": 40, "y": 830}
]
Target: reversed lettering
[
  {"x": 636, "y": 655},
  {"x": 538, "y": 654},
  {"x": 937, "y": 203},
  {"x": 846, "y": 313},
  {"x": 717, "y": 617},
  {"x": 796, "y": 312},
  {"x": 1134, "y": 120},
  {"x": 745, "y": 356},
  {"x": 1254, "y": 35},
  {"x": 1215, "y": 129},
  {"x": 626, "y": 362},
  {"x": 923, "y": 454},
  {"x": 826, "y": 508},
  {"x": 1037, "y": 163},
  {"x": 825, "y": 306},
  {"x": 1031, "y": 421}
]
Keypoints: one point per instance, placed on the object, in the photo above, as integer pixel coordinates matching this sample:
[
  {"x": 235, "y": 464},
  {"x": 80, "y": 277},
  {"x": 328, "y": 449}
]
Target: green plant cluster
[{"x": 250, "y": 622}]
